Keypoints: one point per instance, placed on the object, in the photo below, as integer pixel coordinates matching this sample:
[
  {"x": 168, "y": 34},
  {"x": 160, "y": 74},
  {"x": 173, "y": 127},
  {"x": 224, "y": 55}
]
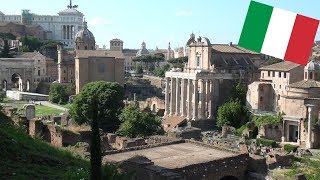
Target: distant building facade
[
  {"x": 294, "y": 90},
  {"x": 86, "y": 64},
  {"x": 61, "y": 27}
]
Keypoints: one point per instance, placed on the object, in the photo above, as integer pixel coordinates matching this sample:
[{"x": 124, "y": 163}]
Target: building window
[
  {"x": 310, "y": 75},
  {"x": 284, "y": 75},
  {"x": 273, "y": 73},
  {"x": 64, "y": 71},
  {"x": 261, "y": 99},
  {"x": 198, "y": 61},
  {"x": 261, "y": 88},
  {"x": 280, "y": 74},
  {"x": 39, "y": 72},
  {"x": 85, "y": 47},
  {"x": 306, "y": 75},
  {"x": 64, "y": 78},
  {"x": 279, "y": 86},
  {"x": 268, "y": 73}
]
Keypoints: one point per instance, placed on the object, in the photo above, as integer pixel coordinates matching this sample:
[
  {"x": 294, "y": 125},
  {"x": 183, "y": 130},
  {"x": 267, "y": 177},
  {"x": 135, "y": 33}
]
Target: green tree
[
  {"x": 178, "y": 62},
  {"x": 58, "y": 93},
  {"x": 30, "y": 44},
  {"x": 137, "y": 123},
  {"x": 7, "y": 36},
  {"x": 139, "y": 68},
  {"x": 239, "y": 93},
  {"x": 230, "y": 114},
  {"x": 98, "y": 103},
  {"x": 161, "y": 71},
  {"x": 6, "y": 50},
  {"x": 71, "y": 89}
]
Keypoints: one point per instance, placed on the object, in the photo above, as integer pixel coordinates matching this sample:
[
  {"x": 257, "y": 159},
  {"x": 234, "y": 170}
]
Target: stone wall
[{"x": 273, "y": 132}]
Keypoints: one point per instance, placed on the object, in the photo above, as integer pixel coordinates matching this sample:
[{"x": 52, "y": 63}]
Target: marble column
[
  {"x": 178, "y": 96},
  {"x": 209, "y": 97},
  {"x": 195, "y": 100},
  {"x": 167, "y": 97},
  {"x": 189, "y": 97},
  {"x": 173, "y": 97},
  {"x": 183, "y": 95},
  {"x": 309, "y": 143},
  {"x": 203, "y": 99}
]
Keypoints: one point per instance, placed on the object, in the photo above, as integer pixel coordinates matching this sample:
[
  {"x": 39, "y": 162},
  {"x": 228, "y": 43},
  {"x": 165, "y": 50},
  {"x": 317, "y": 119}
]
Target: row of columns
[
  {"x": 184, "y": 97},
  {"x": 68, "y": 31}
]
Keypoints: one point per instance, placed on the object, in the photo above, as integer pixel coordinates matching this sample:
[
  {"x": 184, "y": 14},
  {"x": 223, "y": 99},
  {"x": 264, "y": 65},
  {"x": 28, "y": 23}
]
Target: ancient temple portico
[
  {"x": 194, "y": 93},
  {"x": 190, "y": 95}
]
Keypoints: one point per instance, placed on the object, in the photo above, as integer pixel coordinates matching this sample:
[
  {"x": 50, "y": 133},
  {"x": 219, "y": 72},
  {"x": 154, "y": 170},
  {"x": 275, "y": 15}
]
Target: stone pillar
[
  {"x": 178, "y": 96},
  {"x": 189, "y": 95},
  {"x": 195, "y": 100},
  {"x": 167, "y": 98},
  {"x": 299, "y": 132},
  {"x": 173, "y": 97},
  {"x": 183, "y": 99},
  {"x": 309, "y": 143},
  {"x": 203, "y": 99},
  {"x": 209, "y": 97},
  {"x": 283, "y": 138}
]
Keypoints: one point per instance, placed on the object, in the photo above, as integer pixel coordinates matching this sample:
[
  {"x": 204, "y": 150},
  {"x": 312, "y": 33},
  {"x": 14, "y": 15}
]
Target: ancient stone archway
[
  {"x": 28, "y": 85},
  {"x": 229, "y": 178},
  {"x": 154, "y": 108},
  {"x": 4, "y": 85},
  {"x": 16, "y": 82}
]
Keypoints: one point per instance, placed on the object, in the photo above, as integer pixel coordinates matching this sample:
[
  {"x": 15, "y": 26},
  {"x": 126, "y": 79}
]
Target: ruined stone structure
[
  {"x": 184, "y": 160},
  {"x": 61, "y": 27},
  {"x": 205, "y": 82},
  {"x": 21, "y": 30},
  {"x": 40, "y": 68},
  {"x": 287, "y": 87},
  {"x": 17, "y": 74}
]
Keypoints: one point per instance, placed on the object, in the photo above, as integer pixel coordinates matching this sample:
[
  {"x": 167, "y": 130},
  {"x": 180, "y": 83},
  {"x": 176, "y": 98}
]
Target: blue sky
[{"x": 158, "y": 22}]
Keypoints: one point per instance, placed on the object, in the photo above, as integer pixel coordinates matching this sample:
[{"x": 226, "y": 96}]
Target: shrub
[
  {"x": 240, "y": 130},
  {"x": 290, "y": 148},
  {"x": 266, "y": 142}
]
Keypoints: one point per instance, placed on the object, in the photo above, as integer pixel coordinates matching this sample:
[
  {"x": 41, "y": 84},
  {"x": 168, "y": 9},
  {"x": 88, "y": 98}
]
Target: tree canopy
[
  {"x": 58, "y": 94},
  {"x": 5, "y": 53},
  {"x": 30, "y": 44},
  {"x": 137, "y": 123},
  {"x": 7, "y": 36},
  {"x": 178, "y": 62},
  {"x": 109, "y": 96},
  {"x": 161, "y": 71}
]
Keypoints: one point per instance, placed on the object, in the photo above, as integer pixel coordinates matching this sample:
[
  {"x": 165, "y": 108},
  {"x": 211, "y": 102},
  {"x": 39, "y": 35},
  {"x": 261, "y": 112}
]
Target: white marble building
[{"x": 61, "y": 27}]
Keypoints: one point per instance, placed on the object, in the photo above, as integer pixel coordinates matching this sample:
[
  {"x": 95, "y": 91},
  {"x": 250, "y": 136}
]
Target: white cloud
[
  {"x": 184, "y": 13},
  {"x": 99, "y": 21}
]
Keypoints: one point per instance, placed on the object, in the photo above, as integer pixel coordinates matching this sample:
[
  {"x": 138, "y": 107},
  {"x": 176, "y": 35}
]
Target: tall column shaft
[
  {"x": 183, "y": 97},
  {"x": 178, "y": 96},
  {"x": 167, "y": 97},
  {"x": 203, "y": 99},
  {"x": 189, "y": 97},
  {"x": 209, "y": 97},
  {"x": 195, "y": 100},
  {"x": 309, "y": 143},
  {"x": 173, "y": 97}
]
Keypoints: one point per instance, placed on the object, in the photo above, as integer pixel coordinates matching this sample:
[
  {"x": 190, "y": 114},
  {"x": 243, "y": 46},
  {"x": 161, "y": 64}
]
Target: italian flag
[{"x": 278, "y": 33}]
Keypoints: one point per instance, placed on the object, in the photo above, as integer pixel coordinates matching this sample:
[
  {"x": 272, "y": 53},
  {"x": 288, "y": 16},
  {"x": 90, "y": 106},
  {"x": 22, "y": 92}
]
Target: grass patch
[
  {"x": 67, "y": 106},
  {"x": 42, "y": 110},
  {"x": 266, "y": 142},
  {"x": 289, "y": 148},
  {"x": 23, "y": 157}
]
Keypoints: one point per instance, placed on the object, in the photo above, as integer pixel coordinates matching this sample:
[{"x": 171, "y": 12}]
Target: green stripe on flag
[{"x": 255, "y": 26}]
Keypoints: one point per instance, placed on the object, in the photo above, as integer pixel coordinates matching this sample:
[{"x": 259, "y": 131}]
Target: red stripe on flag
[{"x": 301, "y": 40}]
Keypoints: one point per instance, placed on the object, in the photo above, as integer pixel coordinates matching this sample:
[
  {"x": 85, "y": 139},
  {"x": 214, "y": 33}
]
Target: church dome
[
  {"x": 84, "y": 34},
  {"x": 70, "y": 11},
  {"x": 143, "y": 51},
  {"x": 312, "y": 66}
]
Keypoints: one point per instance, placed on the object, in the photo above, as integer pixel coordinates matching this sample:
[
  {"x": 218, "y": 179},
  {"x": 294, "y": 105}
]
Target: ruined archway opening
[
  {"x": 154, "y": 108},
  {"x": 229, "y": 178},
  {"x": 16, "y": 82},
  {"x": 4, "y": 85}
]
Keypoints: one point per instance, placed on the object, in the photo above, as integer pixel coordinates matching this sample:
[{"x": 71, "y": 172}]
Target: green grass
[
  {"x": 23, "y": 157},
  {"x": 309, "y": 166},
  {"x": 45, "y": 111},
  {"x": 66, "y": 106}
]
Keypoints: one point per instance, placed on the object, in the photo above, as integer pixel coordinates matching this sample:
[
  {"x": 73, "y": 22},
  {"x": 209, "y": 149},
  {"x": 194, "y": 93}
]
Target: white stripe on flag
[{"x": 278, "y": 33}]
